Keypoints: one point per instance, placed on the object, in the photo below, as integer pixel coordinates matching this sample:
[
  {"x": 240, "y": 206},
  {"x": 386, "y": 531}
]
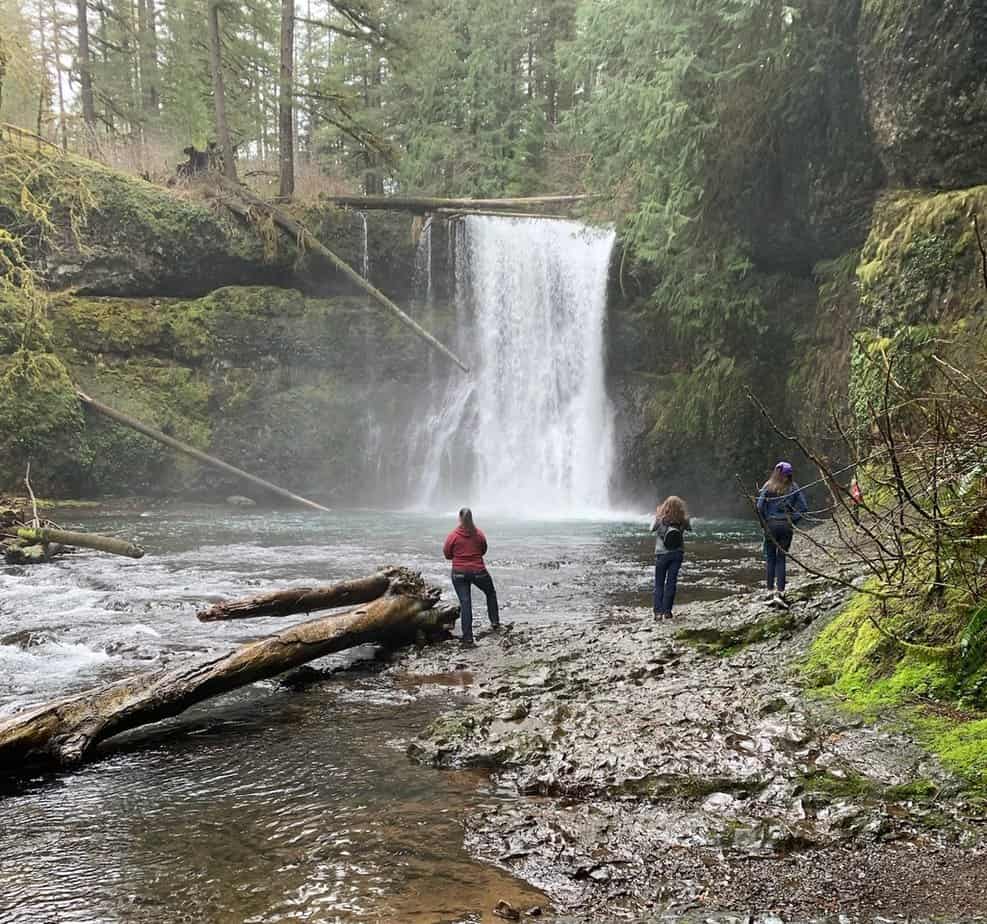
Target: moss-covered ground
[{"x": 933, "y": 687}]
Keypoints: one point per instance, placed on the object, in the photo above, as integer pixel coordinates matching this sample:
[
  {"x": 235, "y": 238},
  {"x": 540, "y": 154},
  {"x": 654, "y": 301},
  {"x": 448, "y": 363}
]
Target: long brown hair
[
  {"x": 779, "y": 483},
  {"x": 672, "y": 510},
  {"x": 466, "y": 521}
]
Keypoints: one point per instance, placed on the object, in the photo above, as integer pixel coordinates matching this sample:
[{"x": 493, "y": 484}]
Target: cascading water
[
  {"x": 365, "y": 267},
  {"x": 529, "y": 431}
]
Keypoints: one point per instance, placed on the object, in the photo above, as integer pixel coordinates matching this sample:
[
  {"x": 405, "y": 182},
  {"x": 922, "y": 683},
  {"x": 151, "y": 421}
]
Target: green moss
[
  {"x": 39, "y": 417},
  {"x": 855, "y": 786},
  {"x": 729, "y": 640},
  {"x": 21, "y": 328},
  {"x": 962, "y": 746},
  {"x": 921, "y": 261},
  {"x": 872, "y": 675}
]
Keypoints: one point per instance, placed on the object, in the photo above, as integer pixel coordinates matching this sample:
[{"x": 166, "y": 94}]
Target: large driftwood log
[
  {"x": 250, "y": 204},
  {"x": 68, "y": 731},
  {"x": 301, "y": 599},
  {"x": 81, "y": 540}
]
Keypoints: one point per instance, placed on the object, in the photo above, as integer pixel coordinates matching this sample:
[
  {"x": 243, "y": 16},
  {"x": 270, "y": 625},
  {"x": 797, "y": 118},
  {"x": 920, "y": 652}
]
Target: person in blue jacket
[{"x": 780, "y": 505}]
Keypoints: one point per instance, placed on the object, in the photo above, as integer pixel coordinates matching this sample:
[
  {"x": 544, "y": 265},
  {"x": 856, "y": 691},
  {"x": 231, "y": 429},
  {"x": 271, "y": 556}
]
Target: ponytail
[{"x": 466, "y": 521}]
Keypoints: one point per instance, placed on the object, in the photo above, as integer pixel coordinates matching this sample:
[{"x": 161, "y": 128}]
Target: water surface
[{"x": 277, "y": 803}]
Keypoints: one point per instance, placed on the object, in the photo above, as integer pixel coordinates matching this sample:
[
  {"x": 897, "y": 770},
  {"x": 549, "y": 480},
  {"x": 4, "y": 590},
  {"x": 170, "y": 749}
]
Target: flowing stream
[
  {"x": 529, "y": 432},
  {"x": 277, "y": 803}
]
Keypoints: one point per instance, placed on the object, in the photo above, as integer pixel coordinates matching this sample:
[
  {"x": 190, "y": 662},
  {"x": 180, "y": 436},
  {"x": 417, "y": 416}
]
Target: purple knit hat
[{"x": 785, "y": 468}]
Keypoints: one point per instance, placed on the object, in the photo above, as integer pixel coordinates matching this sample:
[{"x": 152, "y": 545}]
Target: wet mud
[{"x": 676, "y": 771}]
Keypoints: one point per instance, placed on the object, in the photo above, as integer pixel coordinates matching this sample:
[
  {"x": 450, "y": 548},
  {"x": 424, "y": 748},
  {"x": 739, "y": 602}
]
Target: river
[{"x": 279, "y": 802}]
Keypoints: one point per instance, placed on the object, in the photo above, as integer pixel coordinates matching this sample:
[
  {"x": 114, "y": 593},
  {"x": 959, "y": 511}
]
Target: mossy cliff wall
[
  {"x": 866, "y": 239},
  {"x": 216, "y": 331},
  {"x": 277, "y": 382}
]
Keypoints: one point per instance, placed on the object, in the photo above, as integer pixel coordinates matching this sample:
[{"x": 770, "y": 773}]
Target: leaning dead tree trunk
[
  {"x": 422, "y": 204},
  {"x": 300, "y": 599},
  {"x": 197, "y": 454},
  {"x": 69, "y": 730},
  {"x": 307, "y": 240},
  {"x": 81, "y": 540}
]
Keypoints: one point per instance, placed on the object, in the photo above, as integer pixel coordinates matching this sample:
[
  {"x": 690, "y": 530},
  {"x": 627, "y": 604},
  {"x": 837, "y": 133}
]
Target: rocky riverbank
[{"x": 677, "y": 771}]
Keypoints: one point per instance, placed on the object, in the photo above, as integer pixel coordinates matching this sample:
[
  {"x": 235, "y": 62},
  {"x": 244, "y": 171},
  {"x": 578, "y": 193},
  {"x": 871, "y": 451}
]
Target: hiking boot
[
  {"x": 467, "y": 643},
  {"x": 501, "y": 627}
]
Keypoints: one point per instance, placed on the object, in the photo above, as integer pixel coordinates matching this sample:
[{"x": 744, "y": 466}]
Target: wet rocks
[{"x": 675, "y": 755}]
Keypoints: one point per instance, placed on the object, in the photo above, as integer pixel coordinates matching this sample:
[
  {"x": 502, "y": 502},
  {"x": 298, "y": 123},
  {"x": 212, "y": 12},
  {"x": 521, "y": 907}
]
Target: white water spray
[
  {"x": 365, "y": 268},
  {"x": 530, "y": 430}
]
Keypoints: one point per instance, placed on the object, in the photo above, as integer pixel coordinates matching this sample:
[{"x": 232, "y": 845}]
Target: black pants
[{"x": 462, "y": 581}]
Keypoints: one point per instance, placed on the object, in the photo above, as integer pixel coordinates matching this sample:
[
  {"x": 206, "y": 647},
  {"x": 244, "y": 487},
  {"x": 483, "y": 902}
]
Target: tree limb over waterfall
[
  {"x": 423, "y": 204},
  {"x": 197, "y": 454},
  {"x": 249, "y": 204},
  {"x": 68, "y": 731},
  {"x": 300, "y": 599}
]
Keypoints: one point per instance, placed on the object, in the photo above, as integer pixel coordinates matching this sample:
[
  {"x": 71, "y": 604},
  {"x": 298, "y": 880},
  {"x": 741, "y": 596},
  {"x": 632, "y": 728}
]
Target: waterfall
[
  {"x": 529, "y": 431},
  {"x": 365, "y": 268}
]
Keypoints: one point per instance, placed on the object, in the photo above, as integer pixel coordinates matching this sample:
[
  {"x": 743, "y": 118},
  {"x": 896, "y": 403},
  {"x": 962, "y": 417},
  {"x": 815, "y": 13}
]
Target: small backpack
[{"x": 672, "y": 537}]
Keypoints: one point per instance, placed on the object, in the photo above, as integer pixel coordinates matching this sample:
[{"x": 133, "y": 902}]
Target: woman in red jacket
[{"x": 465, "y": 547}]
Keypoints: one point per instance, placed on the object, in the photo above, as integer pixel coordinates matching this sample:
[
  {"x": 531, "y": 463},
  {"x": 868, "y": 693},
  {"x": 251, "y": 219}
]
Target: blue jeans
[
  {"x": 667, "y": 566},
  {"x": 777, "y": 541},
  {"x": 462, "y": 581}
]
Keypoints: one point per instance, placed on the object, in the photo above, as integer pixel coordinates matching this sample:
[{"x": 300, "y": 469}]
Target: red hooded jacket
[{"x": 465, "y": 551}]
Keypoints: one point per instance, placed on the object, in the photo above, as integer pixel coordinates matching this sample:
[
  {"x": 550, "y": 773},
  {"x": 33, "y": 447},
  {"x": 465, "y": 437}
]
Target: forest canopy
[{"x": 666, "y": 109}]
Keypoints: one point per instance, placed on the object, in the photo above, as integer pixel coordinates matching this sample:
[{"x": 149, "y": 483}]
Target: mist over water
[{"x": 529, "y": 431}]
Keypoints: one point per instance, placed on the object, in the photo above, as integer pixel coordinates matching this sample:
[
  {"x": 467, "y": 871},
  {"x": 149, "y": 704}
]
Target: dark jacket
[
  {"x": 661, "y": 527},
  {"x": 774, "y": 509},
  {"x": 466, "y": 551}
]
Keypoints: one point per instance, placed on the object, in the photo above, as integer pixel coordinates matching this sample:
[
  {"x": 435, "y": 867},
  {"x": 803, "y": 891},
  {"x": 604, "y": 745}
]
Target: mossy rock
[
  {"x": 103, "y": 232},
  {"x": 925, "y": 86},
  {"x": 921, "y": 263},
  {"x": 40, "y": 420},
  {"x": 266, "y": 378}
]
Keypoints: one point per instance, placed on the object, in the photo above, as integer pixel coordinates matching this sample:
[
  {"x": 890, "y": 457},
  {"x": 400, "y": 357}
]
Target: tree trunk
[
  {"x": 147, "y": 54},
  {"x": 86, "y": 70},
  {"x": 68, "y": 731},
  {"x": 305, "y": 238},
  {"x": 219, "y": 91},
  {"x": 206, "y": 459},
  {"x": 82, "y": 540},
  {"x": 300, "y": 599},
  {"x": 422, "y": 204},
  {"x": 286, "y": 117}
]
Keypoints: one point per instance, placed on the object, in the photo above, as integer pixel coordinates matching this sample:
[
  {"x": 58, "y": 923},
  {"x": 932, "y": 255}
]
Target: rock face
[
  {"x": 861, "y": 242},
  {"x": 925, "y": 85},
  {"x": 138, "y": 239},
  {"x": 266, "y": 378}
]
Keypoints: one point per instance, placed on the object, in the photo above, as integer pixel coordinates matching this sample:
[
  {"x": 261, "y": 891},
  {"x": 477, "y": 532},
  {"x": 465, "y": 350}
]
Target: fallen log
[
  {"x": 422, "y": 204},
  {"x": 68, "y": 731},
  {"x": 307, "y": 240},
  {"x": 300, "y": 599},
  {"x": 197, "y": 454},
  {"x": 81, "y": 540}
]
